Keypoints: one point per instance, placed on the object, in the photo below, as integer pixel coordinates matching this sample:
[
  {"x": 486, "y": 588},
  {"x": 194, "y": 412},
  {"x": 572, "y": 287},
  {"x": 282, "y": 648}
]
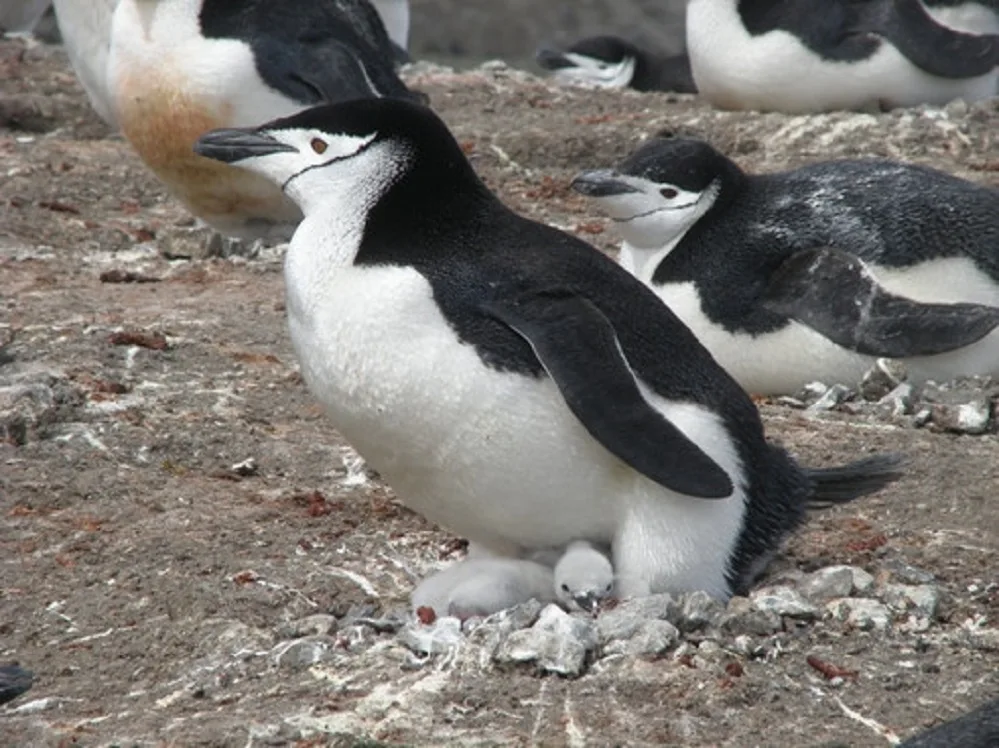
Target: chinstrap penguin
[
  {"x": 579, "y": 577},
  {"x": 21, "y": 16},
  {"x": 179, "y": 68},
  {"x": 508, "y": 380},
  {"x": 479, "y": 587},
  {"x": 814, "y": 273},
  {"x": 14, "y": 681},
  {"x": 978, "y": 728},
  {"x": 821, "y": 55},
  {"x": 612, "y": 62}
]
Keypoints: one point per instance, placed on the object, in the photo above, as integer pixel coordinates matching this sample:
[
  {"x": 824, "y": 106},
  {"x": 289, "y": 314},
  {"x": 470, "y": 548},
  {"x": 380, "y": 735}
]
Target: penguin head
[
  {"x": 660, "y": 190},
  {"x": 584, "y": 577},
  {"x": 348, "y": 154},
  {"x": 603, "y": 61}
]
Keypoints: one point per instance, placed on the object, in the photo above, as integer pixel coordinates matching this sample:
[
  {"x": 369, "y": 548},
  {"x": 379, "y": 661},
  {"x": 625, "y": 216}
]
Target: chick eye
[
  {"x": 565, "y": 588},
  {"x": 318, "y": 145},
  {"x": 668, "y": 192}
]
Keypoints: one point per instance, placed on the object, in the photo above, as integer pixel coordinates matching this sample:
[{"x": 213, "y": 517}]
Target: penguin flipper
[
  {"x": 578, "y": 347},
  {"x": 835, "y": 294},
  {"x": 933, "y": 47}
]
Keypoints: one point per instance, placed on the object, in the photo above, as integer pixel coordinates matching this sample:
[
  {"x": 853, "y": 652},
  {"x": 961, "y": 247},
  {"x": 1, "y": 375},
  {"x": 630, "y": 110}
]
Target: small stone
[
  {"x": 956, "y": 109},
  {"x": 745, "y": 646},
  {"x": 813, "y": 391},
  {"x": 709, "y": 649},
  {"x": 986, "y": 640},
  {"x": 835, "y": 395},
  {"x": 741, "y": 618},
  {"x": 860, "y": 612},
  {"x": 651, "y": 637},
  {"x": 898, "y": 402},
  {"x": 923, "y": 597},
  {"x": 699, "y": 611},
  {"x": 319, "y": 624},
  {"x": 882, "y": 378},
  {"x": 443, "y": 635},
  {"x": 623, "y": 621},
  {"x": 827, "y": 583},
  {"x": 557, "y": 643},
  {"x": 907, "y": 574},
  {"x": 966, "y": 418},
  {"x": 863, "y": 582},
  {"x": 923, "y": 416},
  {"x": 246, "y": 468},
  {"x": 790, "y": 402},
  {"x": 784, "y": 601},
  {"x": 304, "y": 653}
]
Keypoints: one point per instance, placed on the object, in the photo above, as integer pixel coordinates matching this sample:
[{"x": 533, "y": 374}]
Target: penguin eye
[
  {"x": 565, "y": 588},
  {"x": 608, "y": 587},
  {"x": 318, "y": 145},
  {"x": 668, "y": 192}
]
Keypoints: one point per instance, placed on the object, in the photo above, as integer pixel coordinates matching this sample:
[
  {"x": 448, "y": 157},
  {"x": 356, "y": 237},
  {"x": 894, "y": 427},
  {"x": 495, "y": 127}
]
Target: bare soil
[{"x": 147, "y": 580}]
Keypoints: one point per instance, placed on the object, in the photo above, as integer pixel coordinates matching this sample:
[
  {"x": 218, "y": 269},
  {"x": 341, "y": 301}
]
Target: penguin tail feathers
[{"x": 839, "y": 485}]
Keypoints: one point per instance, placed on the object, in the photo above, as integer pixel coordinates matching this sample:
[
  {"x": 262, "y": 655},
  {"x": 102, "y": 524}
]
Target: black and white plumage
[
  {"x": 508, "y": 380},
  {"x": 177, "y": 68},
  {"x": 820, "y": 55},
  {"x": 814, "y": 273},
  {"x": 613, "y": 62},
  {"x": 14, "y": 681}
]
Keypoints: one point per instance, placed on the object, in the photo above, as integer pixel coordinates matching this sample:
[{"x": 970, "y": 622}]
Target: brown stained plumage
[{"x": 162, "y": 123}]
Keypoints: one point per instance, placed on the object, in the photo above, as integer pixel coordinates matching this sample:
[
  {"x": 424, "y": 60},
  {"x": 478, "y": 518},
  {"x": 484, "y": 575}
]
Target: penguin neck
[{"x": 435, "y": 208}]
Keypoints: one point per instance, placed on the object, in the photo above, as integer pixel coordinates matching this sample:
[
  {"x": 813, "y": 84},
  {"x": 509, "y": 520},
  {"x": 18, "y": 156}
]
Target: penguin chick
[
  {"x": 584, "y": 577},
  {"x": 481, "y": 587}
]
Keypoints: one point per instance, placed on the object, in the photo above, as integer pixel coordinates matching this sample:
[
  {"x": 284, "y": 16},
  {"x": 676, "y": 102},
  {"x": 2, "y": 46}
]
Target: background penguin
[
  {"x": 612, "y": 62},
  {"x": 21, "y": 16},
  {"x": 179, "y": 68},
  {"x": 812, "y": 274},
  {"x": 507, "y": 379},
  {"x": 14, "y": 681},
  {"x": 972, "y": 16},
  {"x": 85, "y": 27},
  {"x": 976, "y": 729},
  {"x": 819, "y": 55}
]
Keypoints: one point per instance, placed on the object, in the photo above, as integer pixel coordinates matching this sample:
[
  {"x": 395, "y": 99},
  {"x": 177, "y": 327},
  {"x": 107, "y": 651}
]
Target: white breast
[
  {"x": 774, "y": 71},
  {"x": 783, "y": 361}
]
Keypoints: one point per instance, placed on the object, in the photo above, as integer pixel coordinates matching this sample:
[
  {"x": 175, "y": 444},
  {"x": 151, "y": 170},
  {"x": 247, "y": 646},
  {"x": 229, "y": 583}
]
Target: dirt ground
[{"x": 152, "y": 578}]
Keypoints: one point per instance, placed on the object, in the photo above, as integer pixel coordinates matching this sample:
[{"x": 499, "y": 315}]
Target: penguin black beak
[
  {"x": 587, "y": 601},
  {"x": 551, "y": 58},
  {"x": 601, "y": 183},
  {"x": 231, "y": 146}
]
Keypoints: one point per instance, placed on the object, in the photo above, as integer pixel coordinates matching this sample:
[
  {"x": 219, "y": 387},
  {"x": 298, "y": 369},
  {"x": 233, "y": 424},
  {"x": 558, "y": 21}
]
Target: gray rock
[
  {"x": 925, "y": 598},
  {"x": 319, "y": 624},
  {"x": 860, "y": 613},
  {"x": 898, "y": 402},
  {"x": 304, "y": 653},
  {"x": 699, "y": 611},
  {"x": 443, "y": 635},
  {"x": 623, "y": 621},
  {"x": 922, "y": 417},
  {"x": 742, "y": 618},
  {"x": 882, "y": 378},
  {"x": 827, "y": 583},
  {"x": 813, "y": 391},
  {"x": 651, "y": 637},
  {"x": 784, "y": 601},
  {"x": 863, "y": 582},
  {"x": 835, "y": 395},
  {"x": 966, "y": 418},
  {"x": 557, "y": 643},
  {"x": 985, "y": 640},
  {"x": 907, "y": 574}
]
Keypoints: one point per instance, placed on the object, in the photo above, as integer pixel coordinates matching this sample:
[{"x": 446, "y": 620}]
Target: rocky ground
[{"x": 190, "y": 555}]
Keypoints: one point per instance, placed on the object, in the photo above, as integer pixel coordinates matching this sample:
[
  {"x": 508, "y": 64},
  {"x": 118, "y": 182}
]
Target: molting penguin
[
  {"x": 509, "y": 380},
  {"x": 181, "y": 67},
  {"x": 612, "y": 62},
  {"x": 820, "y": 55},
  {"x": 812, "y": 273}
]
